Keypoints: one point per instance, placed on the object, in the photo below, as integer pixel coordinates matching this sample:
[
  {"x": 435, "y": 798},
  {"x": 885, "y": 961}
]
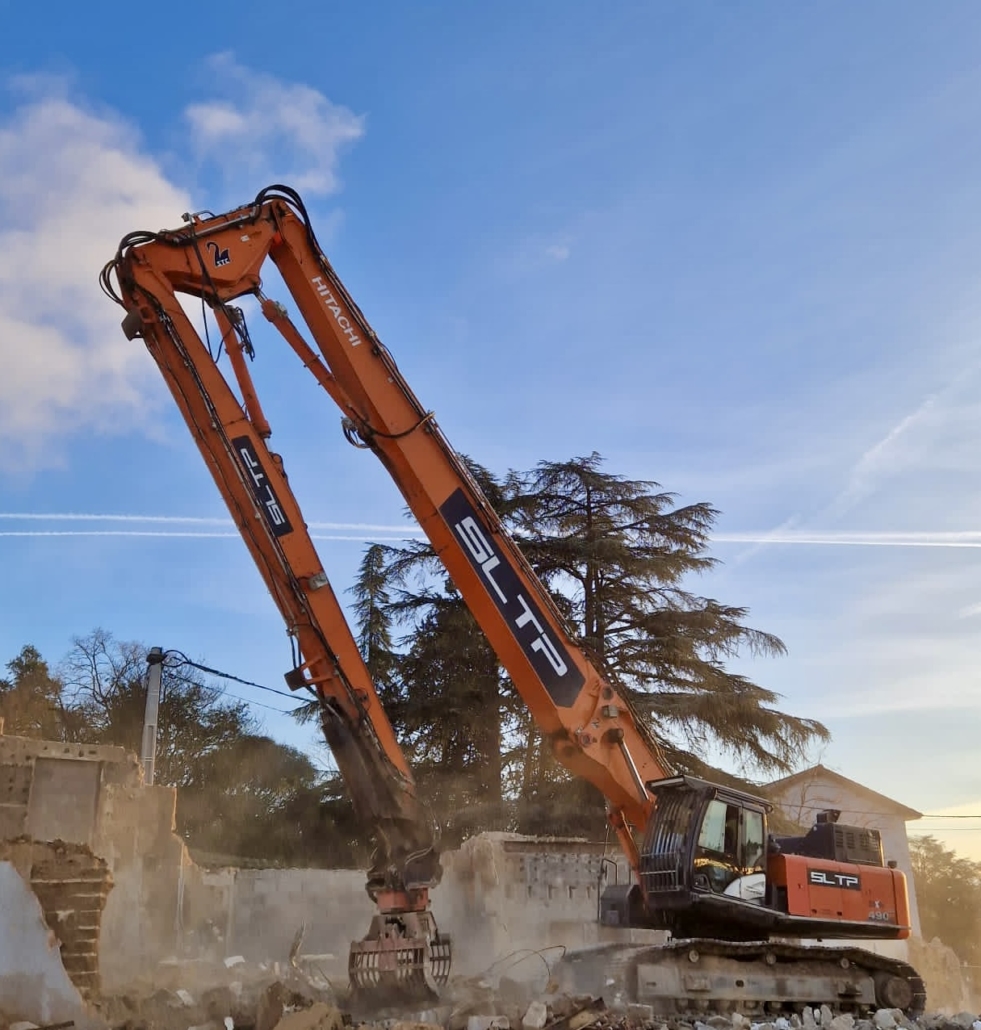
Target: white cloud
[
  {"x": 72, "y": 183},
  {"x": 258, "y": 127},
  {"x": 558, "y": 251}
]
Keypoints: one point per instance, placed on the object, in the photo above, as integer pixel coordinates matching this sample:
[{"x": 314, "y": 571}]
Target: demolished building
[{"x": 90, "y": 865}]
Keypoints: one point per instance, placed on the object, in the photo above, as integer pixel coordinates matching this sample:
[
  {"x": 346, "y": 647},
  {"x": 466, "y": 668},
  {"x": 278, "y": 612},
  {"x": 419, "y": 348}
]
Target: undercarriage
[{"x": 706, "y": 976}]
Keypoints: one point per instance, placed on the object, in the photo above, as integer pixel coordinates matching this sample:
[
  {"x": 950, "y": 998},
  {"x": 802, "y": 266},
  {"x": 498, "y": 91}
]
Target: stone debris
[
  {"x": 535, "y": 1017},
  {"x": 319, "y": 1016},
  {"x": 263, "y": 998},
  {"x": 488, "y": 1023},
  {"x": 243, "y": 995}
]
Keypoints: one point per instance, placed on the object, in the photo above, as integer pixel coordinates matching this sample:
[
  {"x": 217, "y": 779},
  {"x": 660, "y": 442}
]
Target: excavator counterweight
[{"x": 705, "y": 866}]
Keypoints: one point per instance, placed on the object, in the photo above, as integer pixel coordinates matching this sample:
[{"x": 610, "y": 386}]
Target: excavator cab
[
  {"x": 703, "y": 858},
  {"x": 709, "y": 868}
]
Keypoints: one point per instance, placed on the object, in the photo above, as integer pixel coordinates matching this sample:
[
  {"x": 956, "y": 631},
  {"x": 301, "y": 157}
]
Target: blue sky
[{"x": 731, "y": 247}]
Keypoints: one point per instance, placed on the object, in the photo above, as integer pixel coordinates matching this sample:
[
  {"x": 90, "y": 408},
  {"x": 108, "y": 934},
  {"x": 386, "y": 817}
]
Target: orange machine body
[{"x": 842, "y": 892}]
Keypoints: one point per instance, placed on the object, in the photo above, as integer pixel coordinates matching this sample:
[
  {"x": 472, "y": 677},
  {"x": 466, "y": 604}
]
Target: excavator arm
[{"x": 233, "y": 436}]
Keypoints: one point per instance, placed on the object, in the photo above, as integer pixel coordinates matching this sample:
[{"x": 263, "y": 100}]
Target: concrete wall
[
  {"x": 51, "y": 790},
  {"x": 801, "y": 801},
  {"x": 501, "y": 895},
  {"x": 257, "y": 912}
]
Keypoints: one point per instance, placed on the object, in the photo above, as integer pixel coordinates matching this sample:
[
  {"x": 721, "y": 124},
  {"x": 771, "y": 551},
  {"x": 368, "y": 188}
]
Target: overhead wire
[
  {"x": 864, "y": 811},
  {"x": 184, "y": 660},
  {"x": 258, "y": 704}
]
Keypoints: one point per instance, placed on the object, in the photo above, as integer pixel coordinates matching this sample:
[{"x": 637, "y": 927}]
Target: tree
[
  {"x": 618, "y": 559},
  {"x": 31, "y": 702},
  {"x": 948, "y": 895},
  {"x": 240, "y": 793},
  {"x": 443, "y": 689},
  {"x": 106, "y": 680},
  {"x": 244, "y": 800}
]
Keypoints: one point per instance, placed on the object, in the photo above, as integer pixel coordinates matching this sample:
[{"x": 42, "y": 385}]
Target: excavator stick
[{"x": 403, "y": 958}]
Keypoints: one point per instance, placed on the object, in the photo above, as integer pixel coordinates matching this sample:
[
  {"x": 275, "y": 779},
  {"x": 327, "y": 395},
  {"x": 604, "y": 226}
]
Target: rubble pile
[
  {"x": 209, "y": 993},
  {"x": 237, "y": 995},
  {"x": 290, "y": 1005}
]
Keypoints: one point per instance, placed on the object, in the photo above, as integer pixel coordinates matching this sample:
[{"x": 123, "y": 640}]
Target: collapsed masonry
[
  {"x": 98, "y": 850},
  {"x": 71, "y": 885}
]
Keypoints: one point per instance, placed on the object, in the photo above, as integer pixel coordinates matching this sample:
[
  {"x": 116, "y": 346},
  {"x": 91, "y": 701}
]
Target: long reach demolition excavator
[{"x": 738, "y": 901}]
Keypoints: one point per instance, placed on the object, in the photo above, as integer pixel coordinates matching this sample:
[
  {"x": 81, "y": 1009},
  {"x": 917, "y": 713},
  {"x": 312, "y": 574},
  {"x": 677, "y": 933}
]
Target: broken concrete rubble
[
  {"x": 267, "y": 996},
  {"x": 319, "y": 1016}
]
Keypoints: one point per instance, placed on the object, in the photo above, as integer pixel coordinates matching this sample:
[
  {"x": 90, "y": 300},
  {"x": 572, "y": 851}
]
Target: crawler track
[{"x": 713, "y": 976}]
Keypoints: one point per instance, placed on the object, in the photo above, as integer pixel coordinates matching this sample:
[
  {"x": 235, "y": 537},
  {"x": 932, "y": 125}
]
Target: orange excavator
[{"x": 737, "y": 900}]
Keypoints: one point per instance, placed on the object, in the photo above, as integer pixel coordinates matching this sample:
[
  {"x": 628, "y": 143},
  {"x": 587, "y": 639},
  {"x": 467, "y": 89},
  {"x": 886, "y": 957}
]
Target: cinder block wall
[{"x": 507, "y": 901}]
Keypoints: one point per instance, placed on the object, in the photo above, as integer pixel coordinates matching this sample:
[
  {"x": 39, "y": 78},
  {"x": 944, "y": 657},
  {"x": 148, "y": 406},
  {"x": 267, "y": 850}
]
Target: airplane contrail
[
  {"x": 358, "y": 531},
  {"x": 158, "y": 533},
  {"x": 845, "y": 538},
  {"x": 191, "y": 520},
  {"x": 71, "y": 516}
]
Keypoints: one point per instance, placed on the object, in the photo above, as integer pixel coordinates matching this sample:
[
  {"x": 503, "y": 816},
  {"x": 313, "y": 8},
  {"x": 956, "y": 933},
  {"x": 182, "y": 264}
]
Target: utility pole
[{"x": 154, "y": 661}]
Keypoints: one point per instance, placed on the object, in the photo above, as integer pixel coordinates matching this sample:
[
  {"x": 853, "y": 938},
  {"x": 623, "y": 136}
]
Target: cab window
[
  {"x": 730, "y": 845},
  {"x": 753, "y": 844},
  {"x": 716, "y": 856},
  {"x": 718, "y": 828}
]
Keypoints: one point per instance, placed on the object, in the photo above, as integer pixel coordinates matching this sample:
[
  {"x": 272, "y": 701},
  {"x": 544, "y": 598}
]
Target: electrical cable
[
  {"x": 856, "y": 811},
  {"x": 184, "y": 660},
  {"x": 257, "y": 704}
]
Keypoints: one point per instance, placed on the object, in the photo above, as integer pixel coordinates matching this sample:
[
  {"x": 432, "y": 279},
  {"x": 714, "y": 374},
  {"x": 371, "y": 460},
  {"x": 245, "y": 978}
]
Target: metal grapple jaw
[{"x": 403, "y": 958}]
